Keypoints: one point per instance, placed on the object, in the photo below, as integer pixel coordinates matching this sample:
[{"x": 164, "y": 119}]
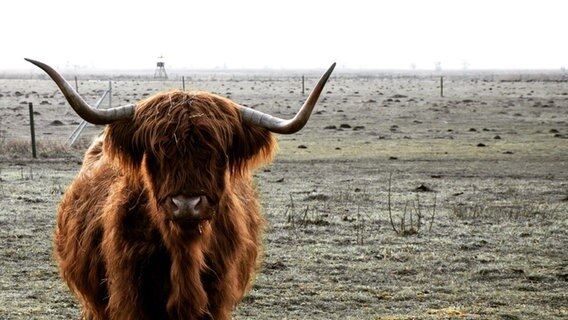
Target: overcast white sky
[{"x": 119, "y": 34}]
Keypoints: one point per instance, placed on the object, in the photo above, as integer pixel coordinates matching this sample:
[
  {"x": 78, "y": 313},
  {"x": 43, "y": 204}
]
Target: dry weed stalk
[
  {"x": 290, "y": 213},
  {"x": 2, "y": 193},
  {"x": 304, "y": 218},
  {"x": 414, "y": 228},
  {"x": 360, "y": 227}
]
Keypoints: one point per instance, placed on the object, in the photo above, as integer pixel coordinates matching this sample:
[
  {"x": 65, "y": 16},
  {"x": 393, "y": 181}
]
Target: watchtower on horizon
[{"x": 160, "y": 72}]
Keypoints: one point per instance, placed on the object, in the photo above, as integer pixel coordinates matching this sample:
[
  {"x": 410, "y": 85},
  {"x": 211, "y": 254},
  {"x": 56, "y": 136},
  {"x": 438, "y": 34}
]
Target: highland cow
[{"x": 162, "y": 221}]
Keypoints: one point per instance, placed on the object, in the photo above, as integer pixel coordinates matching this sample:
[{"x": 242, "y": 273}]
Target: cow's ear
[
  {"x": 251, "y": 147},
  {"x": 120, "y": 144}
]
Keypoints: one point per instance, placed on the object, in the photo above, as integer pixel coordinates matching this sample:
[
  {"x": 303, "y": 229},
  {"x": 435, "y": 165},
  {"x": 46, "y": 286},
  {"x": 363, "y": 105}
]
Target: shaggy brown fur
[{"x": 117, "y": 246}]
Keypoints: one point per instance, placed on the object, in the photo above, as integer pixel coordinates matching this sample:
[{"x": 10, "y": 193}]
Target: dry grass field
[{"x": 392, "y": 203}]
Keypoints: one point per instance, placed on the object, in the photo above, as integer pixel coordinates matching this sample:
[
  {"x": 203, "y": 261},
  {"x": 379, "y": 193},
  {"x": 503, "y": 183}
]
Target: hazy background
[{"x": 292, "y": 34}]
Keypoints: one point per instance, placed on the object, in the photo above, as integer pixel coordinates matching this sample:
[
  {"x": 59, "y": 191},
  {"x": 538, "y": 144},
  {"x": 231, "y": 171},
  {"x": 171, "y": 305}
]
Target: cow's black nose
[{"x": 195, "y": 207}]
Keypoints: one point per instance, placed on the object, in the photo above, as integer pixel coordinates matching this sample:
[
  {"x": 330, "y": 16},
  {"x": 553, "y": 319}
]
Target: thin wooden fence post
[
  {"x": 303, "y": 88},
  {"x": 441, "y": 86},
  {"x": 110, "y": 94},
  {"x": 76, "y": 85},
  {"x": 183, "y": 83},
  {"x": 32, "y": 129}
]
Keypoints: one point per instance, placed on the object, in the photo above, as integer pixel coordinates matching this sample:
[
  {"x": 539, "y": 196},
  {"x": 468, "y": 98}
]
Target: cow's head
[{"x": 187, "y": 147}]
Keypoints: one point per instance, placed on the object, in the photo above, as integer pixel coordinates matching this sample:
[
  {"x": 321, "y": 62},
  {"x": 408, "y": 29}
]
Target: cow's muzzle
[{"x": 191, "y": 208}]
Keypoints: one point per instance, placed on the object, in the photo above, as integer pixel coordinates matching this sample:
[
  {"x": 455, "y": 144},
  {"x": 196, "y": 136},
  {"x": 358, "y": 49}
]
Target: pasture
[{"x": 392, "y": 203}]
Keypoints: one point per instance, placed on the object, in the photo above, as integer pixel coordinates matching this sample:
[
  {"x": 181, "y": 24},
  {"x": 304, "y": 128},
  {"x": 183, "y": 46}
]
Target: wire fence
[{"x": 57, "y": 126}]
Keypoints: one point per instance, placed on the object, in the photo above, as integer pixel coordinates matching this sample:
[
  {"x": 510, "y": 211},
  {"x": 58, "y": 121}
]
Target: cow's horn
[
  {"x": 83, "y": 109},
  {"x": 278, "y": 125}
]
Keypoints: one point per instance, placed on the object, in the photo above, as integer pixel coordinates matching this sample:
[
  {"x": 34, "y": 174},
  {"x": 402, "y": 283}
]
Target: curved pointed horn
[
  {"x": 278, "y": 125},
  {"x": 83, "y": 109}
]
